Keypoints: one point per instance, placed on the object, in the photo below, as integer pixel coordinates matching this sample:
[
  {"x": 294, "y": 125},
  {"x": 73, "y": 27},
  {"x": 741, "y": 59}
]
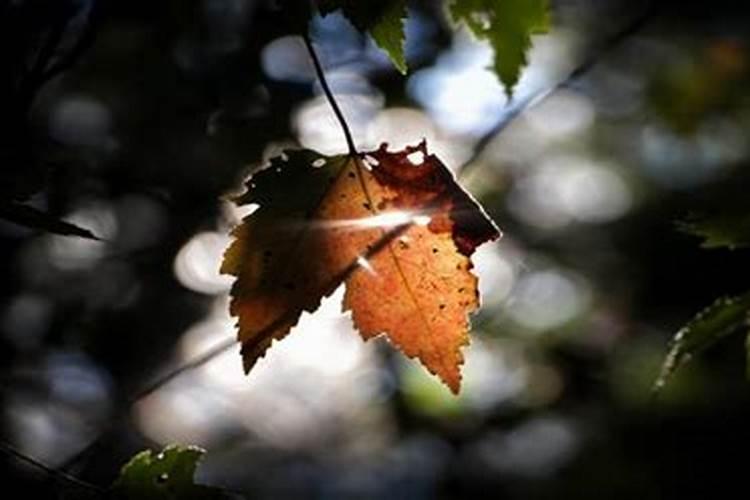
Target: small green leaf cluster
[
  {"x": 507, "y": 25},
  {"x": 725, "y": 228}
]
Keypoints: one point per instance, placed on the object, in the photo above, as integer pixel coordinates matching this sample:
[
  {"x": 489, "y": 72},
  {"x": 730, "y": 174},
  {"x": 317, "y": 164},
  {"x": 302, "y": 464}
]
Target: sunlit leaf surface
[{"x": 394, "y": 227}]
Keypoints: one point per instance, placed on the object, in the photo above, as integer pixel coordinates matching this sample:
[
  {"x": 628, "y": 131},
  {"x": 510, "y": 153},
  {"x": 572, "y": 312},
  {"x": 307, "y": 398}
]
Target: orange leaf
[{"x": 398, "y": 234}]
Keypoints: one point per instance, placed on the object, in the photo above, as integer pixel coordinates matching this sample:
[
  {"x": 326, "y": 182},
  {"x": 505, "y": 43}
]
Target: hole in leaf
[
  {"x": 371, "y": 161},
  {"x": 416, "y": 158}
]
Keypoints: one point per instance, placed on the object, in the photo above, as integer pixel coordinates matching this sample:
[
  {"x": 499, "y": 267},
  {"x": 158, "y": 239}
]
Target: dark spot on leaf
[
  {"x": 366, "y": 205},
  {"x": 442, "y": 306},
  {"x": 434, "y": 250},
  {"x": 351, "y": 175}
]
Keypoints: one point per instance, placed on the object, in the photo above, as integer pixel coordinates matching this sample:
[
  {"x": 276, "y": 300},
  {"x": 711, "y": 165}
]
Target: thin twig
[
  {"x": 329, "y": 95},
  {"x": 84, "y": 41},
  {"x": 12, "y": 451},
  {"x": 46, "y": 66},
  {"x": 194, "y": 363},
  {"x": 517, "y": 108},
  {"x": 149, "y": 389}
]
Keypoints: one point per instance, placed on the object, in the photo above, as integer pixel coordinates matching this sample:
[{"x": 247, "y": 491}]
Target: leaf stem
[{"x": 329, "y": 95}]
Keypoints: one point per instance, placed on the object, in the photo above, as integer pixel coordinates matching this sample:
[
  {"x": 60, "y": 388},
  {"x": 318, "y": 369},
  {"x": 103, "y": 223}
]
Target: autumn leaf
[{"x": 398, "y": 233}]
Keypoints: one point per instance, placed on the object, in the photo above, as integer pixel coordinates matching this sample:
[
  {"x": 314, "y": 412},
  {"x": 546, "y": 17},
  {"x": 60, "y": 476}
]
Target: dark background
[{"x": 160, "y": 109}]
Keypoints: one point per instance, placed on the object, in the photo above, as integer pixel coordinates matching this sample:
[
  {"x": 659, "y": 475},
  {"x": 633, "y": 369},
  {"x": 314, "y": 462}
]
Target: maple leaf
[{"x": 398, "y": 234}]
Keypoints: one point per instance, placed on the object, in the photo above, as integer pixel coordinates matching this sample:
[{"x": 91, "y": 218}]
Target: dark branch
[
  {"x": 81, "y": 45},
  {"x": 517, "y": 108},
  {"x": 11, "y": 451},
  {"x": 46, "y": 66},
  {"x": 152, "y": 387},
  {"x": 32, "y": 218},
  {"x": 329, "y": 95}
]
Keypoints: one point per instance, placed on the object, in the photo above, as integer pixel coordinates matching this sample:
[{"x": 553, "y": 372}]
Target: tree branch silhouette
[{"x": 518, "y": 108}]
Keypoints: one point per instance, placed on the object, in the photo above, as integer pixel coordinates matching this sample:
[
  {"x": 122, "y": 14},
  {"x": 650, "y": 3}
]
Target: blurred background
[{"x": 168, "y": 106}]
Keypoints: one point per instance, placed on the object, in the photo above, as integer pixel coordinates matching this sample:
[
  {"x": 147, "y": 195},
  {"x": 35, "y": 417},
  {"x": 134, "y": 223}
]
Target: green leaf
[
  {"x": 167, "y": 475},
  {"x": 725, "y": 230},
  {"x": 383, "y": 20},
  {"x": 507, "y": 25},
  {"x": 723, "y": 317},
  {"x": 388, "y": 33}
]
